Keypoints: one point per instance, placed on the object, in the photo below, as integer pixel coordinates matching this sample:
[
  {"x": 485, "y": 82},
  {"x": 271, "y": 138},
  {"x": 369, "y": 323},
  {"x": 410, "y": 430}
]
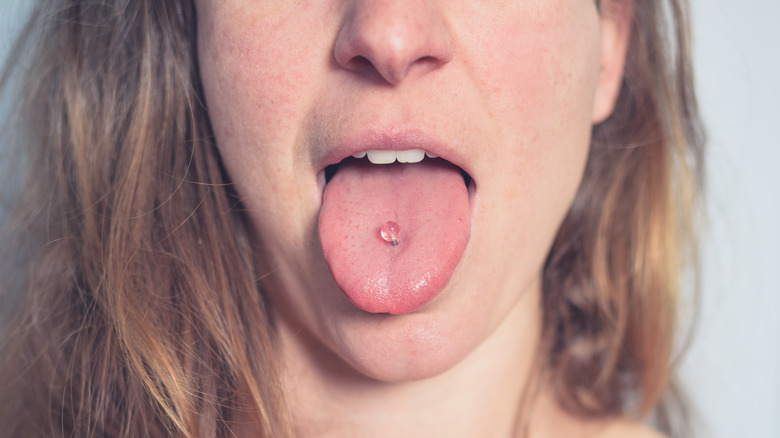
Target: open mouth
[
  {"x": 422, "y": 199},
  {"x": 408, "y": 156}
]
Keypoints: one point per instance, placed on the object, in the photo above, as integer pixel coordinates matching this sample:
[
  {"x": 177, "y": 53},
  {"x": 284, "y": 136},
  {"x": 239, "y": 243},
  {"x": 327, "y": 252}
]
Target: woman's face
[{"x": 505, "y": 91}]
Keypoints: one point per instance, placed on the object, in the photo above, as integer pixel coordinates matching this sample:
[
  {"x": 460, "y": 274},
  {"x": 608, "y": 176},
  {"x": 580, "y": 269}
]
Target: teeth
[
  {"x": 381, "y": 157},
  {"x": 430, "y": 155},
  {"x": 410, "y": 156},
  {"x": 387, "y": 157}
]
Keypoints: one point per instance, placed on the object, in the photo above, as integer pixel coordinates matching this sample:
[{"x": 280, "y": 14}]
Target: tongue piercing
[{"x": 390, "y": 231}]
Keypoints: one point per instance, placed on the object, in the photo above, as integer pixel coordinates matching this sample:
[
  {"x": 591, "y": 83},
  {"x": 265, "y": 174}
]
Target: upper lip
[{"x": 397, "y": 140}]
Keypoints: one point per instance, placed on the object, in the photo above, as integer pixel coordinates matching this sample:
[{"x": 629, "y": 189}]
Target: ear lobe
[{"x": 617, "y": 18}]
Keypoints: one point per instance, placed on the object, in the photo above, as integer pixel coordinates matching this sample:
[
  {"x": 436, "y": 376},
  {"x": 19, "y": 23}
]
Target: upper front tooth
[
  {"x": 381, "y": 157},
  {"x": 410, "y": 155},
  {"x": 387, "y": 156}
]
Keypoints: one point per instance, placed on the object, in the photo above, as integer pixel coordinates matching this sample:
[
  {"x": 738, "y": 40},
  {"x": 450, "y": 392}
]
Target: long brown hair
[
  {"x": 130, "y": 302},
  {"x": 611, "y": 281}
]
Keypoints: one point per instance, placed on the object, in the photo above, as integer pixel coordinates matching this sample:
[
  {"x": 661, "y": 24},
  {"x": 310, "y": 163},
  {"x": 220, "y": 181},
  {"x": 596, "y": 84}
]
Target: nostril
[{"x": 360, "y": 64}]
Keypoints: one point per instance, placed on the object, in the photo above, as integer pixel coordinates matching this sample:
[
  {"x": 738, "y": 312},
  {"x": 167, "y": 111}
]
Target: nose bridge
[{"x": 392, "y": 36}]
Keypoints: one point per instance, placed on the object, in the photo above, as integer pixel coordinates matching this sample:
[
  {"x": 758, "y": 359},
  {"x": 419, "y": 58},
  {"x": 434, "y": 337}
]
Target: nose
[{"x": 393, "y": 38}]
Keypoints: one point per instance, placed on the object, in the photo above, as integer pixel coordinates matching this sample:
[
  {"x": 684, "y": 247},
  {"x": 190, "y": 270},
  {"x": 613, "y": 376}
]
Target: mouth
[
  {"x": 416, "y": 192},
  {"x": 384, "y": 157}
]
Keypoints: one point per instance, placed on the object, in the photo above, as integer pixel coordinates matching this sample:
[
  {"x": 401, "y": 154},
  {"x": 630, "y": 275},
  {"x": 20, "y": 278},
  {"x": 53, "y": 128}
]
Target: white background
[{"x": 733, "y": 368}]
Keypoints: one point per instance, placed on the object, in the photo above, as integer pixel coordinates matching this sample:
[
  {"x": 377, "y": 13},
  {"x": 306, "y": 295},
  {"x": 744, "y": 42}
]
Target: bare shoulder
[{"x": 625, "y": 428}]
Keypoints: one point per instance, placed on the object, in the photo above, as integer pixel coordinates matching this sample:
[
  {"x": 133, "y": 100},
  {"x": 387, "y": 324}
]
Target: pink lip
[{"x": 392, "y": 139}]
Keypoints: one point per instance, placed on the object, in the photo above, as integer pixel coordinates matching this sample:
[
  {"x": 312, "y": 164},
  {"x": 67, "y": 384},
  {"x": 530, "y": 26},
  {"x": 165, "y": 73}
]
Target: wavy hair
[
  {"x": 612, "y": 279},
  {"x": 130, "y": 305}
]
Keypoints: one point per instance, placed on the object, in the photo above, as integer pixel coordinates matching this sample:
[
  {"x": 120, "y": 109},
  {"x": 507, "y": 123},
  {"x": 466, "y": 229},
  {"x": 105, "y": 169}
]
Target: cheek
[
  {"x": 254, "y": 75},
  {"x": 541, "y": 73},
  {"x": 538, "y": 71},
  {"x": 254, "y": 72},
  {"x": 234, "y": 56},
  {"x": 542, "y": 67}
]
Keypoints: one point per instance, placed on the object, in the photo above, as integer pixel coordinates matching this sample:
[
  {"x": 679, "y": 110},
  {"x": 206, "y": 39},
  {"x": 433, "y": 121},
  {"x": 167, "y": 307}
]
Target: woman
[{"x": 211, "y": 245}]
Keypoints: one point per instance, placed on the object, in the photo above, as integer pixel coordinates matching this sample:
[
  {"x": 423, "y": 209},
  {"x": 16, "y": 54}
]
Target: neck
[{"x": 487, "y": 393}]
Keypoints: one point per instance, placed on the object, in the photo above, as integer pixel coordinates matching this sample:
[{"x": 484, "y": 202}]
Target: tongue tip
[{"x": 397, "y": 302}]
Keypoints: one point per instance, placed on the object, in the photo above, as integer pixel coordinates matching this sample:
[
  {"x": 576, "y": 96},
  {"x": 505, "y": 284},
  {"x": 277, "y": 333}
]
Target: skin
[{"x": 512, "y": 90}]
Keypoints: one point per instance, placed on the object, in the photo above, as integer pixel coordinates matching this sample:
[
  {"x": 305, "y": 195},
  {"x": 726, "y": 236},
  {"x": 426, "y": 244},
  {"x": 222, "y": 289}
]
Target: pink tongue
[{"x": 428, "y": 200}]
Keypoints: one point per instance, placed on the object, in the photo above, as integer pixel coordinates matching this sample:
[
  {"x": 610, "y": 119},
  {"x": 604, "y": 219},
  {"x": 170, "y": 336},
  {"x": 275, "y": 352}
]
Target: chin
[
  {"x": 409, "y": 347},
  {"x": 404, "y": 348}
]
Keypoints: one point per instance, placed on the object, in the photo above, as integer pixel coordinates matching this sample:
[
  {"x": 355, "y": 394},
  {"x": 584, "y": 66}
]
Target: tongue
[{"x": 429, "y": 202}]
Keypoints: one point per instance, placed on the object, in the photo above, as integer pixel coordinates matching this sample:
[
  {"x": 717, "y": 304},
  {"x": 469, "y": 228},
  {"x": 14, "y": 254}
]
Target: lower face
[{"x": 503, "y": 90}]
